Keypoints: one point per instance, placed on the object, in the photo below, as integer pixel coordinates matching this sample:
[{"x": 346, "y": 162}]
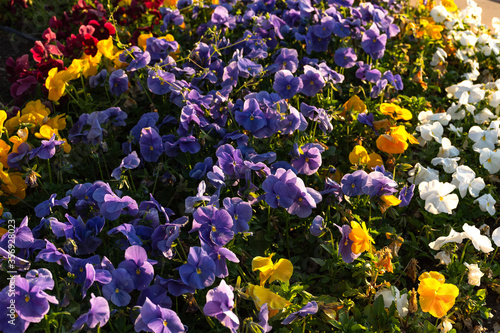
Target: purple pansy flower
[
  {"x": 154, "y": 318},
  {"x": 98, "y": 314},
  {"x": 352, "y": 184},
  {"x": 240, "y": 211},
  {"x": 132, "y": 161},
  {"x": 47, "y": 149},
  {"x": 136, "y": 263},
  {"x": 309, "y": 308},
  {"x": 214, "y": 225},
  {"x": 220, "y": 302},
  {"x": 345, "y": 57},
  {"x": 117, "y": 291},
  {"x": 345, "y": 244},
  {"x": 317, "y": 226},
  {"x": 312, "y": 81},
  {"x": 373, "y": 42},
  {"x": 118, "y": 82},
  {"x": 43, "y": 209},
  {"x": 307, "y": 160},
  {"x": 199, "y": 271},
  {"x": 406, "y": 194},
  {"x": 159, "y": 81},
  {"x": 286, "y": 85},
  {"x": 32, "y": 302},
  {"x": 251, "y": 117},
  {"x": 151, "y": 144},
  {"x": 288, "y": 59},
  {"x": 379, "y": 184}
]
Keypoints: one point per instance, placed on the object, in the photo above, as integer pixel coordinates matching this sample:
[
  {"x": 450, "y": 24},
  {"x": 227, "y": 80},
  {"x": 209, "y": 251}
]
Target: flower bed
[{"x": 253, "y": 166}]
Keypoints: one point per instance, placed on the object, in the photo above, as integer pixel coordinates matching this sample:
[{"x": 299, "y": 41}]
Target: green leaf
[{"x": 481, "y": 294}]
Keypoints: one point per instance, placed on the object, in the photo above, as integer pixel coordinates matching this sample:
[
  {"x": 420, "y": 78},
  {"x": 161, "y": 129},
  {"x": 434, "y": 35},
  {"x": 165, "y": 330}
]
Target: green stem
[
  {"x": 131, "y": 180},
  {"x": 50, "y": 171},
  {"x": 287, "y": 231},
  {"x": 493, "y": 258}
]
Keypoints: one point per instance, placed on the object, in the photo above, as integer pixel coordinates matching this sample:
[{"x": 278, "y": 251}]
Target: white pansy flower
[
  {"x": 439, "y": 14},
  {"x": 475, "y": 92},
  {"x": 468, "y": 38},
  {"x": 457, "y": 130},
  {"x": 490, "y": 159},
  {"x": 447, "y": 149},
  {"x": 449, "y": 164},
  {"x": 453, "y": 237},
  {"x": 480, "y": 242},
  {"x": 426, "y": 117},
  {"x": 495, "y": 25},
  {"x": 483, "y": 138},
  {"x": 431, "y": 131},
  {"x": 494, "y": 99},
  {"x": 475, "y": 274},
  {"x": 495, "y": 235},
  {"x": 443, "y": 257},
  {"x": 439, "y": 56},
  {"x": 438, "y": 197},
  {"x": 465, "y": 179},
  {"x": 486, "y": 203},
  {"x": 484, "y": 116},
  {"x": 446, "y": 325},
  {"x": 391, "y": 295},
  {"x": 421, "y": 174}
]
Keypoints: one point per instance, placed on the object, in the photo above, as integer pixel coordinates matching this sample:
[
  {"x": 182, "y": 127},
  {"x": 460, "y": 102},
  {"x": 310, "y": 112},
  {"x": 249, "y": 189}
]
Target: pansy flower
[
  {"x": 436, "y": 297},
  {"x": 286, "y": 85},
  {"x": 360, "y": 237},
  {"x": 282, "y": 270},
  {"x": 312, "y": 81},
  {"x": 220, "y": 302},
  {"x": 199, "y": 271}
]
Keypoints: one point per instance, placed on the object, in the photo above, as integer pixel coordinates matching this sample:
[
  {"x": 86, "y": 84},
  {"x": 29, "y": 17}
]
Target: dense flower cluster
[{"x": 228, "y": 130}]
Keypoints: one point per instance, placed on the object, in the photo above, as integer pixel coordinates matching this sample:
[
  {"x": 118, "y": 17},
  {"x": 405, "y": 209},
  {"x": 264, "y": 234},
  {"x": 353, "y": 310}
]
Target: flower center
[
  {"x": 198, "y": 271},
  {"x": 214, "y": 229},
  {"x": 27, "y": 298},
  {"x": 165, "y": 323},
  {"x": 137, "y": 271},
  {"x": 252, "y": 117},
  {"x": 151, "y": 148},
  {"x": 235, "y": 216},
  {"x": 117, "y": 290},
  {"x": 288, "y": 87}
]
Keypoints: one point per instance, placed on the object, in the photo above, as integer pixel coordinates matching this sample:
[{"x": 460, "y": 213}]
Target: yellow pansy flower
[
  {"x": 106, "y": 48},
  {"x": 20, "y": 191},
  {"x": 4, "y": 152},
  {"x": 395, "y": 111},
  {"x": 3, "y": 118},
  {"x": 261, "y": 296},
  {"x": 46, "y": 132},
  {"x": 358, "y": 155},
  {"x": 374, "y": 160},
  {"x": 449, "y": 5},
  {"x": 142, "y": 39},
  {"x": 354, "y": 104},
  {"x": 282, "y": 270},
  {"x": 17, "y": 140},
  {"x": 56, "y": 83},
  {"x": 359, "y": 235},
  {"x": 436, "y": 297},
  {"x": 58, "y": 122},
  {"x": 396, "y": 141}
]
